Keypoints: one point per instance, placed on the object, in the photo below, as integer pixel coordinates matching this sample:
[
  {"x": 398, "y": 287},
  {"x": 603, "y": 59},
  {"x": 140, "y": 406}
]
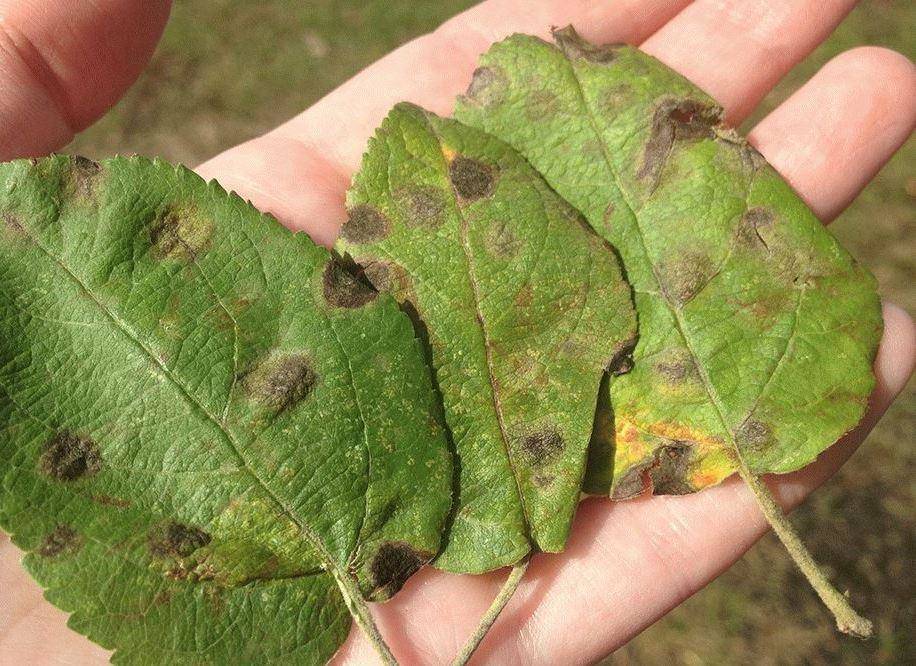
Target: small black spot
[
  {"x": 393, "y": 564},
  {"x": 364, "y": 225},
  {"x": 283, "y": 383},
  {"x": 424, "y": 206},
  {"x": 63, "y": 539},
  {"x": 574, "y": 46},
  {"x": 684, "y": 119},
  {"x": 542, "y": 446},
  {"x": 343, "y": 290},
  {"x": 472, "y": 179},
  {"x": 753, "y": 436},
  {"x": 68, "y": 457},
  {"x": 177, "y": 540},
  {"x": 488, "y": 86}
]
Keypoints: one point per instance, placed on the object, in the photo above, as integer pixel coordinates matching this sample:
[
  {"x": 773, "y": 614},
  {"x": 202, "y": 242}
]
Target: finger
[
  {"x": 63, "y": 64},
  {"x": 626, "y": 565},
  {"x": 737, "y": 50},
  {"x": 325, "y": 143},
  {"x": 830, "y": 138}
]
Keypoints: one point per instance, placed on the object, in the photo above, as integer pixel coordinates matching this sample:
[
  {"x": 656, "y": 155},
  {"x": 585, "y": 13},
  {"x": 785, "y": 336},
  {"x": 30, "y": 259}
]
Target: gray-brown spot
[
  {"x": 176, "y": 540},
  {"x": 501, "y": 241},
  {"x": 83, "y": 176},
  {"x": 365, "y": 224},
  {"x": 488, "y": 87},
  {"x": 68, "y": 457},
  {"x": 752, "y": 223},
  {"x": 424, "y": 206},
  {"x": 675, "y": 120},
  {"x": 393, "y": 564},
  {"x": 541, "y": 105},
  {"x": 63, "y": 539},
  {"x": 682, "y": 278},
  {"x": 543, "y": 446},
  {"x": 388, "y": 277},
  {"x": 11, "y": 223},
  {"x": 671, "y": 468},
  {"x": 110, "y": 500},
  {"x": 677, "y": 369},
  {"x": 179, "y": 232},
  {"x": 543, "y": 480},
  {"x": 573, "y": 46},
  {"x": 343, "y": 290},
  {"x": 282, "y": 383},
  {"x": 753, "y": 436},
  {"x": 471, "y": 178}
]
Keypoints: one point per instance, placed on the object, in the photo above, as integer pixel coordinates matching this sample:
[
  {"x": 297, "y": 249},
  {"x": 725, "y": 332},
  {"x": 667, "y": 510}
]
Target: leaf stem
[
  {"x": 486, "y": 622},
  {"x": 360, "y": 612},
  {"x": 847, "y": 620}
]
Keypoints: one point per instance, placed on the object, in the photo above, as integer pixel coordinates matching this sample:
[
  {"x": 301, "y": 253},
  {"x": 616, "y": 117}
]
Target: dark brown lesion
[
  {"x": 282, "y": 383},
  {"x": 542, "y": 446},
  {"x": 341, "y": 289},
  {"x": 394, "y": 562},
  {"x": 365, "y": 224},
  {"x": 752, "y": 223},
  {"x": 472, "y": 179},
  {"x": 176, "y": 540},
  {"x": 63, "y": 539},
  {"x": 675, "y": 120},
  {"x": 753, "y": 436},
  {"x": 83, "y": 176},
  {"x": 574, "y": 47},
  {"x": 68, "y": 456},
  {"x": 665, "y": 473}
]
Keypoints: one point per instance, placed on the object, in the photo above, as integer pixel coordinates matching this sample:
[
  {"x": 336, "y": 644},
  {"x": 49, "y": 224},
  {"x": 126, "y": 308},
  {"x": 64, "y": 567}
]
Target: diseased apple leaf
[
  {"x": 523, "y": 307},
  {"x": 757, "y": 330},
  {"x": 214, "y": 439}
]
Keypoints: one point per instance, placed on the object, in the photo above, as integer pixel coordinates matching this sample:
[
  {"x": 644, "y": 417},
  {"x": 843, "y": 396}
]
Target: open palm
[{"x": 63, "y": 64}]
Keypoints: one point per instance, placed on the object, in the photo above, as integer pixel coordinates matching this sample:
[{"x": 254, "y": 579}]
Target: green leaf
[
  {"x": 523, "y": 308},
  {"x": 757, "y": 330},
  {"x": 214, "y": 439}
]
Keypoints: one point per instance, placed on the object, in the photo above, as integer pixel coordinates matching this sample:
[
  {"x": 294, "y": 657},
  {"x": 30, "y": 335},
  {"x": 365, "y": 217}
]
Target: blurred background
[{"x": 228, "y": 70}]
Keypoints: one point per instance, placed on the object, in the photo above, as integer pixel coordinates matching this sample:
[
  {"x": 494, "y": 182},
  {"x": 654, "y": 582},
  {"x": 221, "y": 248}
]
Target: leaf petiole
[
  {"x": 486, "y": 622},
  {"x": 847, "y": 619}
]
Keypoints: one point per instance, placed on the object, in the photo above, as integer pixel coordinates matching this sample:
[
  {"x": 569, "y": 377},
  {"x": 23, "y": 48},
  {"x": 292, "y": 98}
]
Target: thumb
[{"x": 63, "y": 63}]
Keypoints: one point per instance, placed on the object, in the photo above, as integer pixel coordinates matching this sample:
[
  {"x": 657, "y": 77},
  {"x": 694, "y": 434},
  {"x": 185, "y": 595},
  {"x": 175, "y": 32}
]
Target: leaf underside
[
  {"x": 757, "y": 330},
  {"x": 211, "y": 432},
  {"x": 523, "y": 308}
]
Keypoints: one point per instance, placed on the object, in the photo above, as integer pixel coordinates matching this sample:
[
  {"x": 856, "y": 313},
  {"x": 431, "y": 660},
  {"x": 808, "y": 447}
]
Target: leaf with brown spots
[
  {"x": 217, "y": 441},
  {"x": 523, "y": 308},
  {"x": 757, "y": 330}
]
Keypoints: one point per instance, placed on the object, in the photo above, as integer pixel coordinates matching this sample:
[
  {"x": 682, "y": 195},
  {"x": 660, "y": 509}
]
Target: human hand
[{"x": 627, "y": 563}]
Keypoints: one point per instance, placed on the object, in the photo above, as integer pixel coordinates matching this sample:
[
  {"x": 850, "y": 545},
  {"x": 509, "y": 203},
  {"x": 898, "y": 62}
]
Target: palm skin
[{"x": 626, "y": 564}]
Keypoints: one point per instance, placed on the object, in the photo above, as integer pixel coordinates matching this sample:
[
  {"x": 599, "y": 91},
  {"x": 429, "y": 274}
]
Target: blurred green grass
[{"x": 228, "y": 70}]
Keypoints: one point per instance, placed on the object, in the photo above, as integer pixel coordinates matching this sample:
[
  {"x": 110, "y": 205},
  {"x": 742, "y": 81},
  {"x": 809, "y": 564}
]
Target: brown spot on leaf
[
  {"x": 109, "y": 500},
  {"x": 488, "y": 86},
  {"x": 83, "y": 176},
  {"x": 621, "y": 365},
  {"x": 677, "y": 370},
  {"x": 541, "y": 105},
  {"x": 68, "y": 457},
  {"x": 501, "y": 241},
  {"x": 393, "y": 564},
  {"x": 670, "y": 471},
  {"x": 176, "y": 540},
  {"x": 543, "y": 446},
  {"x": 682, "y": 278},
  {"x": 282, "y": 383},
  {"x": 573, "y": 46},
  {"x": 543, "y": 480},
  {"x": 471, "y": 178},
  {"x": 11, "y": 223},
  {"x": 343, "y": 290},
  {"x": 62, "y": 539},
  {"x": 179, "y": 232},
  {"x": 364, "y": 225},
  {"x": 675, "y": 120},
  {"x": 753, "y": 436},
  {"x": 423, "y": 205},
  {"x": 751, "y": 224}
]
